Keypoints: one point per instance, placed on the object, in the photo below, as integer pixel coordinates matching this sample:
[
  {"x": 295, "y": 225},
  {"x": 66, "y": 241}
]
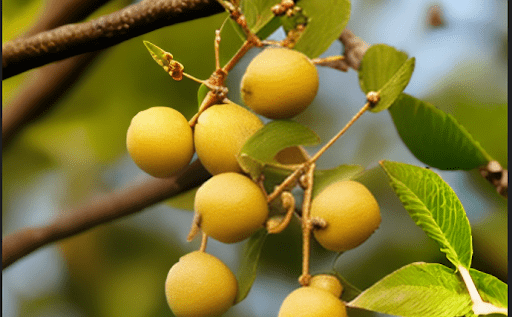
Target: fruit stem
[
  {"x": 288, "y": 202},
  {"x": 194, "y": 229},
  {"x": 287, "y": 182},
  {"x": 305, "y": 278},
  {"x": 204, "y": 242},
  {"x": 342, "y": 131}
]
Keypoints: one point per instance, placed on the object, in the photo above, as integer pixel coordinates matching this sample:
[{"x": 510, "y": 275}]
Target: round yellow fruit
[
  {"x": 351, "y": 212},
  {"x": 200, "y": 285},
  {"x": 232, "y": 207},
  {"x": 312, "y": 302},
  {"x": 160, "y": 141},
  {"x": 328, "y": 283},
  {"x": 220, "y": 133},
  {"x": 279, "y": 83}
]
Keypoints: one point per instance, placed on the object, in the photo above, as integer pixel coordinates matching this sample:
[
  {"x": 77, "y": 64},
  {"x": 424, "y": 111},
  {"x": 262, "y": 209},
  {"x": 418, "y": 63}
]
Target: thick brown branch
[
  {"x": 60, "y": 12},
  {"x": 101, "y": 210},
  {"x": 73, "y": 39}
]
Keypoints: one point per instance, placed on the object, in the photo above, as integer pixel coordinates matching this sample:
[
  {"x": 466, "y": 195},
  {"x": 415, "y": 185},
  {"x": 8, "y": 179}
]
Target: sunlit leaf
[
  {"x": 380, "y": 63},
  {"x": 258, "y": 13},
  {"x": 262, "y": 147},
  {"x": 326, "y": 21},
  {"x": 246, "y": 273},
  {"x": 394, "y": 87},
  {"x": 491, "y": 289},
  {"x": 323, "y": 178},
  {"x": 417, "y": 290},
  {"x": 434, "y": 206},
  {"x": 434, "y": 137}
]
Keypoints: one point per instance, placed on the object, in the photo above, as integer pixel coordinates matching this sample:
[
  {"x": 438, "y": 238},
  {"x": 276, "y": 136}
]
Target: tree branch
[
  {"x": 41, "y": 92},
  {"x": 60, "y": 12},
  {"x": 101, "y": 210},
  {"x": 73, "y": 39}
]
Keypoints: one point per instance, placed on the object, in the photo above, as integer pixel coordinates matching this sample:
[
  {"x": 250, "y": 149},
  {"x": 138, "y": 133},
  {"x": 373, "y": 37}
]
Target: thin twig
[
  {"x": 342, "y": 131},
  {"x": 99, "y": 211},
  {"x": 73, "y": 39},
  {"x": 305, "y": 278}
]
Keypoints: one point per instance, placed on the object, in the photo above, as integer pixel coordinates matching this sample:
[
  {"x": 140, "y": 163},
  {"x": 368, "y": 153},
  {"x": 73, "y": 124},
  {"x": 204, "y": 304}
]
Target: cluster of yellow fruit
[{"x": 279, "y": 83}]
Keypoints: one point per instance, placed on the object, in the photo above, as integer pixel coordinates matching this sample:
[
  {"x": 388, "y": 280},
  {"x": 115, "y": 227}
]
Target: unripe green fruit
[
  {"x": 200, "y": 285},
  {"x": 312, "y": 302},
  {"x": 160, "y": 141},
  {"x": 219, "y": 135},
  {"x": 232, "y": 207},
  {"x": 351, "y": 212},
  {"x": 279, "y": 83}
]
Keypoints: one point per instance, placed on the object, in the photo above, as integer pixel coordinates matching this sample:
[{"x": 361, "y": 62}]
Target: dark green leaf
[
  {"x": 417, "y": 290},
  {"x": 231, "y": 39},
  {"x": 434, "y": 207},
  {"x": 247, "y": 271},
  {"x": 349, "y": 291},
  {"x": 434, "y": 137},
  {"x": 262, "y": 147},
  {"x": 491, "y": 289},
  {"x": 380, "y": 63},
  {"x": 323, "y": 178},
  {"x": 326, "y": 21},
  {"x": 394, "y": 87}
]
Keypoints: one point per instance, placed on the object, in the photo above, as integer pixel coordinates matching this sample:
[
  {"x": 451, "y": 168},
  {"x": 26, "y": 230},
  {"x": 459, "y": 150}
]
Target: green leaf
[
  {"x": 417, "y": 290},
  {"x": 394, "y": 87},
  {"x": 379, "y": 64},
  {"x": 247, "y": 271},
  {"x": 326, "y": 21},
  {"x": 262, "y": 147},
  {"x": 387, "y": 71},
  {"x": 231, "y": 39},
  {"x": 349, "y": 291},
  {"x": 323, "y": 178},
  {"x": 434, "y": 207},
  {"x": 258, "y": 13},
  {"x": 434, "y": 137},
  {"x": 491, "y": 289},
  {"x": 158, "y": 54},
  {"x": 201, "y": 94}
]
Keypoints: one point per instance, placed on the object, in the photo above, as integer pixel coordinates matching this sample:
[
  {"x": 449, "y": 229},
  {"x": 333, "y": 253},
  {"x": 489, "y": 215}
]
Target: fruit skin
[
  {"x": 279, "y": 83},
  {"x": 232, "y": 207},
  {"x": 219, "y": 135},
  {"x": 351, "y": 212},
  {"x": 160, "y": 141},
  {"x": 200, "y": 285},
  {"x": 312, "y": 302},
  {"x": 328, "y": 283}
]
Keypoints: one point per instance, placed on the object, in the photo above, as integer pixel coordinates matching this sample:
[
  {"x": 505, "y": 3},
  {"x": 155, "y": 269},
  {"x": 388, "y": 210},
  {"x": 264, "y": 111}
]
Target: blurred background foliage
[{"x": 77, "y": 150}]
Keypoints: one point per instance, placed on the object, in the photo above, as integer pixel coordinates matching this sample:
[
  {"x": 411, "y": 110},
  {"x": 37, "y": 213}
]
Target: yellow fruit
[
  {"x": 160, "y": 141},
  {"x": 351, "y": 212},
  {"x": 312, "y": 302},
  {"x": 200, "y": 285},
  {"x": 279, "y": 83},
  {"x": 232, "y": 207},
  {"x": 219, "y": 135},
  {"x": 328, "y": 283}
]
